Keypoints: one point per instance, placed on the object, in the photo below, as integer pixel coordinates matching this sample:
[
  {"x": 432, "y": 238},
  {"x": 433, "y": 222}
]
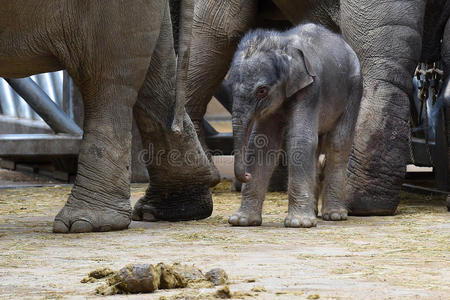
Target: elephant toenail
[
  {"x": 60, "y": 227},
  {"x": 335, "y": 216},
  {"x": 80, "y": 226}
]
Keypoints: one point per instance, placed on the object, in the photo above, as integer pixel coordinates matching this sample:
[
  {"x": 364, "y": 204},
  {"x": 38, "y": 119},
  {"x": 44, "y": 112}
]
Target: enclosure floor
[
  {"x": 15, "y": 178},
  {"x": 405, "y": 256}
]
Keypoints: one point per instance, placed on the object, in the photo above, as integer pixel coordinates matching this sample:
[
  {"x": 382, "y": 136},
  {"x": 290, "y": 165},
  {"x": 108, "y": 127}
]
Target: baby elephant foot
[
  {"x": 300, "y": 220},
  {"x": 334, "y": 214},
  {"x": 77, "y": 220},
  {"x": 241, "y": 218}
]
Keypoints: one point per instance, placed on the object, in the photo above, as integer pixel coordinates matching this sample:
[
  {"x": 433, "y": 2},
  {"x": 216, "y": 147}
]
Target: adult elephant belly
[
  {"x": 26, "y": 66},
  {"x": 24, "y": 44}
]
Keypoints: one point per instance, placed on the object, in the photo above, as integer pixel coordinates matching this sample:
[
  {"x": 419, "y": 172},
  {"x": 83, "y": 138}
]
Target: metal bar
[
  {"x": 7, "y": 100},
  {"x": 44, "y": 82},
  {"x": 35, "y": 115},
  {"x": 39, "y": 144},
  {"x": 56, "y": 80},
  {"x": 423, "y": 190},
  {"x": 22, "y": 108},
  {"x": 44, "y": 106},
  {"x": 67, "y": 91},
  {"x": 15, "y": 125},
  {"x": 420, "y": 152}
]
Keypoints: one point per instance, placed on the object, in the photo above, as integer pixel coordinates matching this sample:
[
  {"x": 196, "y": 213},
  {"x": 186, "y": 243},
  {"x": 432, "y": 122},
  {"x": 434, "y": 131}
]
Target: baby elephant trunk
[{"x": 240, "y": 132}]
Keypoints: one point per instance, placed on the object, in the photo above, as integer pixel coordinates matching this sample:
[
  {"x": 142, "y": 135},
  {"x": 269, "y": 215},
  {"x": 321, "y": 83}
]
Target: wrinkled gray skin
[
  {"x": 307, "y": 82},
  {"x": 118, "y": 53},
  {"x": 386, "y": 35}
]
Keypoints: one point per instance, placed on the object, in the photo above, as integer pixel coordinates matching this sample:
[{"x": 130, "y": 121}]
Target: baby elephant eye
[{"x": 261, "y": 92}]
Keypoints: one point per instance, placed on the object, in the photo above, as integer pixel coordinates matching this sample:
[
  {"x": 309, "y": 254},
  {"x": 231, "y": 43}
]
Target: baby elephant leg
[
  {"x": 336, "y": 157},
  {"x": 337, "y": 149},
  {"x": 302, "y": 185},
  {"x": 261, "y": 159},
  {"x": 302, "y": 160}
]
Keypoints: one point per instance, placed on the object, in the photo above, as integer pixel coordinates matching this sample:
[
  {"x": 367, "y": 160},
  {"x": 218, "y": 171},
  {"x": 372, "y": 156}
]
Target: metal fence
[{"x": 13, "y": 105}]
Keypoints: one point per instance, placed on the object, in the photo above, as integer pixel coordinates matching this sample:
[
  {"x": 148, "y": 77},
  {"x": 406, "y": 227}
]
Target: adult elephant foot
[
  {"x": 191, "y": 202},
  {"x": 99, "y": 200},
  {"x": 76, "y": 217},
  {"x": 377, "y": 164},
  {"x": 180, "y": 176},
  {"x": 368, "y": 204},
  {"x": 179, "y": 188}
]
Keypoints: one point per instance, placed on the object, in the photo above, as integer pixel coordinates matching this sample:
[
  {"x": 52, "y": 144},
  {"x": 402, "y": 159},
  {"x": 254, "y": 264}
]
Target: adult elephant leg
[
  {"x": 99, "y": 200},
  {"x": 218, "y": 27},
  {"x": 386, "y": 35},
  {"x": 325, "y": 12},
  {"x": 445, "y": 55},
  {"x": 109, "y": 75},
  {"x": 180, "y": 173}
]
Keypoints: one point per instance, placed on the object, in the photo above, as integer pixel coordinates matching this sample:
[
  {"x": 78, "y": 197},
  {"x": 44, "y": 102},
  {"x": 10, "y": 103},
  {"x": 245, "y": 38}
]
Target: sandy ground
[
  {"x": 14, "y": 178},
  {"x": 405, "y": 256}
]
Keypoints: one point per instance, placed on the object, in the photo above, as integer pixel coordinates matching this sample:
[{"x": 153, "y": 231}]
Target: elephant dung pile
[
  {"x": 146, "y": 278},
  {"x": 97, "y": 274}
]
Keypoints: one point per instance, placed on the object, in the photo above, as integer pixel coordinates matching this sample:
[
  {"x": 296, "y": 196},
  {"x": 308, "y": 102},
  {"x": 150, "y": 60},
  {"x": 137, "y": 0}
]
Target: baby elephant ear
[{"x": 301, "y": 73}]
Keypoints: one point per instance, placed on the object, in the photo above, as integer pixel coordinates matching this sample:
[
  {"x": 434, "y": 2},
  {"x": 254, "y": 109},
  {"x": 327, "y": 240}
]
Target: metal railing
[
  {"x": 13, "y": 105},
  {"x": 39, "y": 97}
]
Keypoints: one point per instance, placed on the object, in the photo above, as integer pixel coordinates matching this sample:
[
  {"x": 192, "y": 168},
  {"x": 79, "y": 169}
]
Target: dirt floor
[
  {"x": 13, "y": 178},
  {"x": 405, "y": 256}
]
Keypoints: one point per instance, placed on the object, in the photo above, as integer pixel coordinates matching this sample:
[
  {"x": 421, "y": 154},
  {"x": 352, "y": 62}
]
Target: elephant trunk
[
  {"x": 184, "y": 38},
  {"x": 240, "y": 133}
]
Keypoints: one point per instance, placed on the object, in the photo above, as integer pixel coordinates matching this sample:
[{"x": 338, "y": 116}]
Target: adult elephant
[
  {"x": 386, "y": 35},
  {"x": 118, "y": 53}
]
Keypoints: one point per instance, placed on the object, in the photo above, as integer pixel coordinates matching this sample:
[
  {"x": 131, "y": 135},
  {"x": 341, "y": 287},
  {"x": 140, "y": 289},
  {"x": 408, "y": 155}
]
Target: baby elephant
[{"x": 299, "y": 89}]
